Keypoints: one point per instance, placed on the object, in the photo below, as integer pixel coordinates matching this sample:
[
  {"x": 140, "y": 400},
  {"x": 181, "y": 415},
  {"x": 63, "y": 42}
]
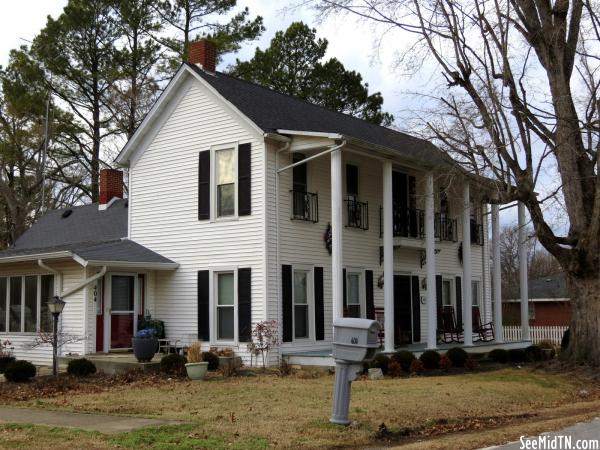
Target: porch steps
[{"x": 113, "y": 363}]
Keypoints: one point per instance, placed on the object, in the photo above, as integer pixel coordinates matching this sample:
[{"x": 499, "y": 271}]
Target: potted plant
[
  {"x": 195, "y": 367},
  {"x": 144, "y": 344},
  {"x": 6, "y": 355}
]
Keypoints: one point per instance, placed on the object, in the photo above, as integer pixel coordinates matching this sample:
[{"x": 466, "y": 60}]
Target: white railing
[{"x": 537, "y": 334}]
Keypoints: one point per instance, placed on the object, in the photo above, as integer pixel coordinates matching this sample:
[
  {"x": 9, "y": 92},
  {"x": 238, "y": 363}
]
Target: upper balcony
[{"x": 410, "y": 223}]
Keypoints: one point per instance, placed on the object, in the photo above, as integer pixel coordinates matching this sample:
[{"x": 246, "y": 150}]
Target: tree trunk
[{"x": 584, "y": 342}]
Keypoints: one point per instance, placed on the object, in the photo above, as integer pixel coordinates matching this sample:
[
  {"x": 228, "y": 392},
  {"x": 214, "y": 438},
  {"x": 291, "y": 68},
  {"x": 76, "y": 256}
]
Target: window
[
  {"x": 225, "y": 175},
  {"x": 14, "y": 320},
  {"x": 475, "y": 292},
  {"x": 447, "y": 293},
  {"x": 353, "y": 295},
  {"x": 23, "y": 303},
  {"x": 2, "y": 305},
  {"x": 301, "y": 324},
  {"x": 225, "y": 306},
  {"x": 531, "y": 310}
]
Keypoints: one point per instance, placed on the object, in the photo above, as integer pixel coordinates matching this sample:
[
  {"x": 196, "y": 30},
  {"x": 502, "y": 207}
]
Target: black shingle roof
[
  {"x": 92, "y": 234},
  {"x": 84, "y": 224},
  {"x": 270, "y": 111}
]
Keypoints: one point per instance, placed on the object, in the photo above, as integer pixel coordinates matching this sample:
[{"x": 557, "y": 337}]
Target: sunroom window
[
  {"x": 23, "y": 303},
  {"x": 225, "y": 182}
]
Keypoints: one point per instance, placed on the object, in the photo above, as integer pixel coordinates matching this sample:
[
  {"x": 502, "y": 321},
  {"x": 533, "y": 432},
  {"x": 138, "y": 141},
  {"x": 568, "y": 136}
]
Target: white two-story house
[{"x": 246, "y": 205}]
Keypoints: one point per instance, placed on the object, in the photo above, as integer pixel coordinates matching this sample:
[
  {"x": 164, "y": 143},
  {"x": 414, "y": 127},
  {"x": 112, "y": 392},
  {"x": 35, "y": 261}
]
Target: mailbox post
[{"x": 354, "y": 342}]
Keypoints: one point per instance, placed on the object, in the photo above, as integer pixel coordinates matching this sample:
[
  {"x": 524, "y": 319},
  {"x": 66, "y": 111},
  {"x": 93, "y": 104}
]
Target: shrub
[
  {"x": 19, "y": 371},
  {"x": 564, "y": 343},
  {"x": 517, "y": 355},
  {"x": 416, "y": 366},
  {"x": 534, "y": 353},
  {"x": 457, "y": 356},
  {"x": 471, "y": 363},
  {"x": 430, "y": 359},
  {"x": 382, "y": 362},
  {"x": 211, "y": 359},
  {"x": 81, "y": 367},
  {"x": 404, "y": 358},
  {"x": 498, "y": 355},
  {"x": 394, "y": 368},
  {"x": 548, "y": 345},
  {"x": 445, "y": 362},
  {"x": 173, "y": 364}
]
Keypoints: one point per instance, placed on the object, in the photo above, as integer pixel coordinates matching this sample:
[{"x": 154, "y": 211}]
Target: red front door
[{"x": 122, "y": 310}]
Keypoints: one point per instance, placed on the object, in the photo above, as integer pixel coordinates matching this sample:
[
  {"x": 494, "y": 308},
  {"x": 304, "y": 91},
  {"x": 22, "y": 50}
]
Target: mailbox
[{"x": 355, "y": 340}]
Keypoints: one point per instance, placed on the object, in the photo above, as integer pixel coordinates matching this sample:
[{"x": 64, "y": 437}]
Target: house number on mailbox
[{"x": 354, "y": 340}]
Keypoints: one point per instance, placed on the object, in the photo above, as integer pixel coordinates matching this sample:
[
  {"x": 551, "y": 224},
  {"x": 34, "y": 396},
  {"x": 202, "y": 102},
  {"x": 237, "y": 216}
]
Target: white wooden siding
[{"x": 164, "y": 210}]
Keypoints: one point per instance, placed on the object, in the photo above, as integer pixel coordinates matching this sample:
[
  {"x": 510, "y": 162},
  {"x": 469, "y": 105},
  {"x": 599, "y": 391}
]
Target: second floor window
[{"x": 225, "y": 175}]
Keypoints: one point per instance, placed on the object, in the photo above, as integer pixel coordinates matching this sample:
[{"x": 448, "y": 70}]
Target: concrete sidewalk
[{"x": 90, "y": 422}]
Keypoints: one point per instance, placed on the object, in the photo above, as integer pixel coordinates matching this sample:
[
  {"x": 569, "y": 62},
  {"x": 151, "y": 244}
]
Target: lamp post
[{"x": 55, "y": 306}]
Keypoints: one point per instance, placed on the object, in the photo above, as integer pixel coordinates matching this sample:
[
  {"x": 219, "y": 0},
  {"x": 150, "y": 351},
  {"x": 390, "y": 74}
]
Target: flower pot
[
  {"x": 144, "y": 348},
  {"x": 196, "y": 371},
  {"x": 5, "y": 361}
]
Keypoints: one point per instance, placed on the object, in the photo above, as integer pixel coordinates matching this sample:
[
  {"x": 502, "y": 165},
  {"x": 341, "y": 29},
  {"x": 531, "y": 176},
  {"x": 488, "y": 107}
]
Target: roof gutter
[
  {"x": 84, "y": 283},
  {"x": 132, "y": 264},
  {"x": 55, "y": 255}
]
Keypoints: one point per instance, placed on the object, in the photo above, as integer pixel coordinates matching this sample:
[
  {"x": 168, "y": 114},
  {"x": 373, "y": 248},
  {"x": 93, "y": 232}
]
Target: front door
[
  {"x": 402, "y": 310},
  {"x": 122, "y": 310}
]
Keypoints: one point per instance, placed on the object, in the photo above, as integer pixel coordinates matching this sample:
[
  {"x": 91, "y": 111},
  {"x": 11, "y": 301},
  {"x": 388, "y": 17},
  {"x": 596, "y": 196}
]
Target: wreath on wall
[{"x": 327, "y": 238}]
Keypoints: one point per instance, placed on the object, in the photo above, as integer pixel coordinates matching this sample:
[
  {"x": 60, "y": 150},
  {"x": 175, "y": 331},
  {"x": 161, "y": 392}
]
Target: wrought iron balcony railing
[{"x": 357, "y": 214}]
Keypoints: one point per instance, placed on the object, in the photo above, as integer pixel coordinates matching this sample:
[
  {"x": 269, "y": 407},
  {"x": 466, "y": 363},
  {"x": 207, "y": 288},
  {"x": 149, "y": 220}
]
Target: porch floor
[
  {"x": 322, "y": 358},
  {"x": 111, "y": 363}
]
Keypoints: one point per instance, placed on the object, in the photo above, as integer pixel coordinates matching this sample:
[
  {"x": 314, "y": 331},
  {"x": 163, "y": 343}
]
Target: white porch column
[
  {"x": 430, "y": 262},
  {"x": 337, "y": 258},
  {"x": 388, "y": 257},
  {"x": 467, "y": 300},
  {"x": 523, "y": 287},
  {"x": 496, "y": 278}
]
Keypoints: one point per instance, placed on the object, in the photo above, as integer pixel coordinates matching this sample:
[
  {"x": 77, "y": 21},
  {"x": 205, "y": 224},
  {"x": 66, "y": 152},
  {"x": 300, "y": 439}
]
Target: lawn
[{"x": 292, "y": 412}]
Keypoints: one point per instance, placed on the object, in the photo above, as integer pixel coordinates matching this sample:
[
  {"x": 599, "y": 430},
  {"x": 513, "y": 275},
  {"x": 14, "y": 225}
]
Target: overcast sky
[{"x": 352, "y": 43}]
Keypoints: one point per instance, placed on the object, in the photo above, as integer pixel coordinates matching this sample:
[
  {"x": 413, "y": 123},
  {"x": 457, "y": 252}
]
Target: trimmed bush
[
  {"x": 564, "y": 343},
  {"x": 19, "y": 371},
  {"x": 211, "y": 359},
  {"x": 81, "y": 367},
  {"x": 471, "y": 364},
  {"x": 517, "y": 355},
  {"x": 173, "y": 364},
  {"x": 5, "y": 361},
  {"x": 445, "y": 362},
  {"x": 381, "y": 362},
  {"x": 458, "y": 356},
  {"x": 498, "y": 355},
  {"x": 416, "y": 366},
  {"x": 534, "y": 353},
  {"x": 394, "y": 368},
  {"x": 430, "y": 359},
  {"x": 404, "y": 358}
]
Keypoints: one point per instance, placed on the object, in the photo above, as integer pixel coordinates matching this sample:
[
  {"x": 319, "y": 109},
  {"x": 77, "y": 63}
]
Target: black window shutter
[
  {"x": 369, "y": 294},
  {"x": 459, "y": 318},
  {"x": 344, "y": 294},
  {"x": 203, "y": 306},
  {"x": 319, "y": 305},
  {"x": 287, "y": 303},
  {"x": 204, "y": 185},
  {"x": 245, "y": 304},
  {"x": 438, "y": 294},
  {"x": 416, "y": 309},
  {"x": 244, "y": 180}
]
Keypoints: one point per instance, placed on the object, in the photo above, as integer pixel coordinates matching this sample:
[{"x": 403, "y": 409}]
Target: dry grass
[{"x": 292, "y": 412}]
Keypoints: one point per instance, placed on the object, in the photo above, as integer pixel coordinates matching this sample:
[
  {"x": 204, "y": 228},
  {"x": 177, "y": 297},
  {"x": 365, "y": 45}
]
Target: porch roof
[{"x": 119, "y": 253}]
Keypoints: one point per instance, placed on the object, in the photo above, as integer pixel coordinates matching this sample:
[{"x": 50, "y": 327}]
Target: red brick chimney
[
  {"x": 111, "y": 186},
  {"x": 203, "y": 53}
]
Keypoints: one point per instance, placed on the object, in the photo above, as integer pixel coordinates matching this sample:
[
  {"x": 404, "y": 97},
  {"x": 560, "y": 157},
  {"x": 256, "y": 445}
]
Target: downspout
[
  {"x": 286, "y": 147},
  {"x": 84, "y": 283},
  {"x": 56, "y": 273}
]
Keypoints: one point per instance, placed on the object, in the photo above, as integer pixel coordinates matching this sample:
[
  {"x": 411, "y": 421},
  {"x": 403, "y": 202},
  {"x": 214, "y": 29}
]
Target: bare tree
[{"x": 521, "y": 99}]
